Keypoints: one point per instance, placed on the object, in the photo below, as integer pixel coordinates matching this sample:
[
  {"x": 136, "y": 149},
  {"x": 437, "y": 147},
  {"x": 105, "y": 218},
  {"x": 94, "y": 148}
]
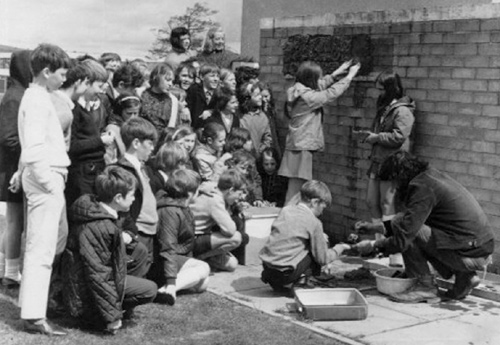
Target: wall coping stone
[{"x": 483, "y": 11}]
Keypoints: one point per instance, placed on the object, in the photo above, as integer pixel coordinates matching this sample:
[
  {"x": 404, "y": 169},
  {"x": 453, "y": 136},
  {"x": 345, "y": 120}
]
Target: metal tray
[{"x": 331, "y": 304}]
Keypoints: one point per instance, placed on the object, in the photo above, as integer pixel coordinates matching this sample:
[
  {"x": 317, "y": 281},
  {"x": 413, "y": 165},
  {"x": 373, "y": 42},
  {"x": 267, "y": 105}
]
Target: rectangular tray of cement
[{"x": 331, "y": 304}]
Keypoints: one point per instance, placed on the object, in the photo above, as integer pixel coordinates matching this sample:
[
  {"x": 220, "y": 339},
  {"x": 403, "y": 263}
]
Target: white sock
[
  {"x": 12, "y": 269},
  {"x": 2, "y": 265}
]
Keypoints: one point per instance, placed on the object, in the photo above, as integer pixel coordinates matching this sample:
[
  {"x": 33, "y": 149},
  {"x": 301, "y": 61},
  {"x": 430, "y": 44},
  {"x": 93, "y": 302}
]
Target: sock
[
  {"x": 12, "y": 269},
  {"x": 2, "y": 265}
]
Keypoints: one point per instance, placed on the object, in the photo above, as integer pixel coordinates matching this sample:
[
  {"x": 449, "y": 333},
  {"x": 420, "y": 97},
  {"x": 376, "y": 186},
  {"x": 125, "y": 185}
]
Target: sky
[{"x": 127, "y": 27}]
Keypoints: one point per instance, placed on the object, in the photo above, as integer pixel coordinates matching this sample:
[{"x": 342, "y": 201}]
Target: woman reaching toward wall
[{"x": 305, "y": 101}]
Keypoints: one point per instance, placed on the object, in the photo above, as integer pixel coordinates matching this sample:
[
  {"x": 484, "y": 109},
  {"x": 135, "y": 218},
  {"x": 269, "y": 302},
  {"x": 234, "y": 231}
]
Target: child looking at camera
[{"x": 208, "y": 158}]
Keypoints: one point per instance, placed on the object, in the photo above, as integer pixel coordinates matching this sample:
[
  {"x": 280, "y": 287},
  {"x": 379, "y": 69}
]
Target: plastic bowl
[{"x": 388, "y": 285}]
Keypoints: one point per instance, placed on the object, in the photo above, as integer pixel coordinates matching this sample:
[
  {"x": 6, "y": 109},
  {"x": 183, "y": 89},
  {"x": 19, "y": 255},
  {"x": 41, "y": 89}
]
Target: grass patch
[{"x": 204, "y": 319}]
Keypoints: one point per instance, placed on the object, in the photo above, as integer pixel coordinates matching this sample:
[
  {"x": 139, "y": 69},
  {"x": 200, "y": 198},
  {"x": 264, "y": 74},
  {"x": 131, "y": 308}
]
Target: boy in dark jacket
[{"x": 98, "y": 287}]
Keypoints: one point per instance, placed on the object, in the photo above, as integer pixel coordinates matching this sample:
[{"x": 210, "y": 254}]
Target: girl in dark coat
[{"x": 10, "y": 151}]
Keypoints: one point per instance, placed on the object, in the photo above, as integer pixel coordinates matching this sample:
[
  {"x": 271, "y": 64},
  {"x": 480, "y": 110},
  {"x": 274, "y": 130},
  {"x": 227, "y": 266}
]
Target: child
[
  {"x": 273, "y": 185},
  {"x": 184, "y": 113},
  {"x": 297, "y": 248},
  {"x": 390, "y": 132},
  {"x": 44, "y": 163},
  {"x": 199, "y": 95},
  {"x": 111, "y": 62},
  {"x": 244, "y": 163},
  {"x": 139, "y": 137},
  {"x": 10, "y": 151},
  {"x": 171, "y": 156},
  {"x": 270, "y": 111},
  {"x": 126, "y": 106},
  {"x": 228, "y": 79},
  {"x": 253, "y": 118},
  {"x": 88, "y": 137},
  {"x": 306, "y": 99},
  {"x": 216, "y": 231},
  {"x": 225, "y": 106},
  {"x": 239, "y": 138},
  {"x": 185, "y": 75},
  {"x": 175, "y": 268},
  {"x": 98, "y": 288},
  {"x": 208, "y": 158}
]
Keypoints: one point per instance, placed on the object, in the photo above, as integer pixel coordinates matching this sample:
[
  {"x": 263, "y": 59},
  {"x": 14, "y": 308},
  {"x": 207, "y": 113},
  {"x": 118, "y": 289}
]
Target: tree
[{"x": 196, "y": 19}]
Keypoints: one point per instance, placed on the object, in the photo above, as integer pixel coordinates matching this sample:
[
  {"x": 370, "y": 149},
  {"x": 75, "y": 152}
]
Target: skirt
[{"x": 297, "y": 164}]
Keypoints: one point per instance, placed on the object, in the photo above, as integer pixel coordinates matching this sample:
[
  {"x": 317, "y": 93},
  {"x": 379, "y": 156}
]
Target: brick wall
[{"x": 449, "y": 60}]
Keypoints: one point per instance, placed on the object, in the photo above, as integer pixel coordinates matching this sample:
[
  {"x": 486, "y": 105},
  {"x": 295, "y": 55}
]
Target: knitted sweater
[{"x": 210, "y": 211}]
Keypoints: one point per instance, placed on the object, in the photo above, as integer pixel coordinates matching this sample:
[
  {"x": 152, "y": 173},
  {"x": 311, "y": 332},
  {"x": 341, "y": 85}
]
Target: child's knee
[
  {"x": 236, "y": 240},
  {"x": 231, "y": 264}
]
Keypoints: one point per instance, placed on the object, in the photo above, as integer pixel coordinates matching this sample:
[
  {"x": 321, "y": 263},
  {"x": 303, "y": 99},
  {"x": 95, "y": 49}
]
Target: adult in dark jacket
[
  {"x": 10, "y": 151},
  {"x": 98, "y": 287},
  {"x": 442, "y": 223}
]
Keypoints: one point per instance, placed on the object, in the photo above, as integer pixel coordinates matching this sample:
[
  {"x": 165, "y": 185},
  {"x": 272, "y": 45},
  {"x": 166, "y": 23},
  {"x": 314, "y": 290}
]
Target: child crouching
[
  {"x": 174, "y": 267},
  {"x": 297, "y": 248},
  {"x": 98, "y": 288}
]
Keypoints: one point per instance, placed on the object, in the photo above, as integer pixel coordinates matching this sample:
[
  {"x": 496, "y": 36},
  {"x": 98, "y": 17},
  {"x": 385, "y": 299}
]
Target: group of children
[{"x": 136, "y": 191}]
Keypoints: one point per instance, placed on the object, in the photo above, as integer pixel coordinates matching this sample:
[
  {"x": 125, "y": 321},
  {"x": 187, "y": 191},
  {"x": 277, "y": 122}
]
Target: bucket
[{"x": 388, "y": 285}]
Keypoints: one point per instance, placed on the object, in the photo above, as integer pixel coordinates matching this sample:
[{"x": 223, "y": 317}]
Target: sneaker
[
  {"x": 418, "y": 293},
  {"x": 221, "y": 262},
  {"x": 464, "y": 283},
  {"x": 165, "y": 298}
]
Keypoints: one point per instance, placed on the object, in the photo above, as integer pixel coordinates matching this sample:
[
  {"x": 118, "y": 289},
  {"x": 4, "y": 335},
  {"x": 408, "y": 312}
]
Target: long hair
[
  {"x": 175, "y": 37},
  {"x": 308, "y": 74},
  {"x": 245, "y": 97},
  {"x": 208, "y": 45},
  {"x": 393, "y": 88},
  {"x": 402, "y": 167}
]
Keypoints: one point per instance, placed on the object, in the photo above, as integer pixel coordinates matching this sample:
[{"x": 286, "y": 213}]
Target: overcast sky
[{"x": 95, "y": 26}]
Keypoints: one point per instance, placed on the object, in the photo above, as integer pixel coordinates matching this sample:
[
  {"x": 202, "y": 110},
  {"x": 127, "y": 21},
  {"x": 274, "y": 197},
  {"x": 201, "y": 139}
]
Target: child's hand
[
  {"x": 361, "y": 135},
  {"x": 225, "y": 157},
  {"x": 365, "y": 247},
  {"x": 208, "y": 188},
  {"x": 371, "y": 138},
  {"x": 339, "y": 248},
  {"x": 126, "y": 238},
  {"x": 15, "y": 182},
  {"x": 353, "y": 70},
  {"x": 206, "y": 114},
  {"x": 342, "y": 69}
]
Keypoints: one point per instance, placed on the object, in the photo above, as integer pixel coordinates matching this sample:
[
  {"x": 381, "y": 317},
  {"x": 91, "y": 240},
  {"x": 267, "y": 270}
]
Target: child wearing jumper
[
  {"x": 175, "y": 268},
  {"x": 98, "y": 289},
  {"x": 305, "y": 101},
  {"x": 44, "y": 163},
  {"x": 297, "y": 248}
]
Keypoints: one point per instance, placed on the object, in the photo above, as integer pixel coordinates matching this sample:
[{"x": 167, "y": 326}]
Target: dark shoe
[
  {"x": 464, "y": 283},
  {"x": 44, "y": 327},
  {"x": 165, "y": 298},
  {"x": 10, "y": 283}
]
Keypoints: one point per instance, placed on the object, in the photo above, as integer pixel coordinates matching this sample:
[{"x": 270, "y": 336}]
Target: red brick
[
  {"x": 454, "y": 38},
  {"x": 438, "y": 95},
  {"x": 280, "y": 32},
  {"x": 494, "y": 61},
  {"x": 430, "y": 61},
  {"x": 481, "y": 194},
  {"x": 470, "y": 109},
  {"x": 410, "y": 39},
  {"x": 485, "y": 122},
  {"x": 494, "y": 85},
  {"x": 476, "y": 61},
  {"x": 440, "y": 49},
  {"x": 486, "y": 98},
  {"x": 475, "y": 85},
  {"x": 447, "y": 107},
  {"x": 417, "y": 94},
  {"x": 460, "y": 120},
  {"x": 380, "y": 29},
  {"x": 450, "y": 84},
  {"x": 417, "y": 72},
  {"x": 403, "y": 49},
  {"x": 488, "y": 49},
  {"x": 465, "y": 49},
  {"x": 429, "y": 84},
  {"x": 425, "y": 106},
  {"x": 482, "y": 146},
  {"x": 493, "y": 160},
  {"x": 472, "y": 157},
  {"x": 400, "y": 28},
  {"x": 407, "y": 61},
  {"x": 478, "y": 37},
  {"x": 446, "y": 131},
  {"x": 432, "y": 38},
  {"x": 420, "y": 49},
  {"x": 468, "y": 73},
  {"x": 422, "y": 26},
  {"x": 460, "y": 97},
  {"x": 488, "y": 73},
  {"x": 456, "y": 167},
  {"x": 478, "y": 170},
  {"x": 444, "y": 26},
  {"x": 495, "y": 37},
  {"x": 490, "y": 25},
  {"x": 265, "y": 33},
  {"x": 491, "y": 110},
  {"x": 467, "y": 25},
  {"x": 451, "y": 61},
  {"x": 437, "y": 119},
  {"x": 444, "y": 72}
]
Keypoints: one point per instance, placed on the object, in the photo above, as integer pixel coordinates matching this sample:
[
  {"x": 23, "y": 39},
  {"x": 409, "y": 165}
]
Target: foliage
[{"x": 197, "y": 20}]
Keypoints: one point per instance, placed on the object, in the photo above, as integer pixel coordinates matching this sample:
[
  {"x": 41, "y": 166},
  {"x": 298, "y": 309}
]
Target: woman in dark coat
[{"x": 10, "y": 151}]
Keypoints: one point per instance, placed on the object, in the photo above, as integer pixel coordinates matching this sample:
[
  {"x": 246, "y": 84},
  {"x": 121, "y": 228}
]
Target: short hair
[
  {"x": 158, "y": 71},
  {"x": 190, "y": 69},
  {"x": 208, "y": 45},
  {"x": 211, "y": 130},
  {"x": 96, "y": 71},
  {"x": 85, "y": 57},
  {"x": 130, "y": 75},
  {"x": 244, "y": 74},
  {"x": 315, "y": 189},
  {"x": 308, "y": 74},
  {"x": 237, "y": 139},
  {"x": 221, "y": 98},
  {"x": 209, "y": 68},
  {"x": 245, "y": 97},
  {"x": 270, "y": 152},
  {"x": 170, "y": 156},
  {"x": 48, "y": 56},
  {"x": 181, "y": 182},
  {"x": 391, "y": 82},
  {"x": 137, "y": 128},
  {"x": 75, "y": 72},
  {"x": 126, "y": 100},
  {"x": 107, "y": 57},
  {"x": 112, "y": 181},
  {"x": 231, "y": 178},
  {"x": 242, "y": 156},
  {"x": 175, "y": 37}
]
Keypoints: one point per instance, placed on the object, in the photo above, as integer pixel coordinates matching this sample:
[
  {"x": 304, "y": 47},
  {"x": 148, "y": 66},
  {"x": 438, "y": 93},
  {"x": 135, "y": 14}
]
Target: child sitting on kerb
[{"x": 297, "y": 247}]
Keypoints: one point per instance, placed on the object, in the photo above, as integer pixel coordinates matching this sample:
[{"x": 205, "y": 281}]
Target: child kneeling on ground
[
  {"x": 174, "y": 267},
  {"x": 297, "y": 248},
  {"x": 98, "y": 288}
]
